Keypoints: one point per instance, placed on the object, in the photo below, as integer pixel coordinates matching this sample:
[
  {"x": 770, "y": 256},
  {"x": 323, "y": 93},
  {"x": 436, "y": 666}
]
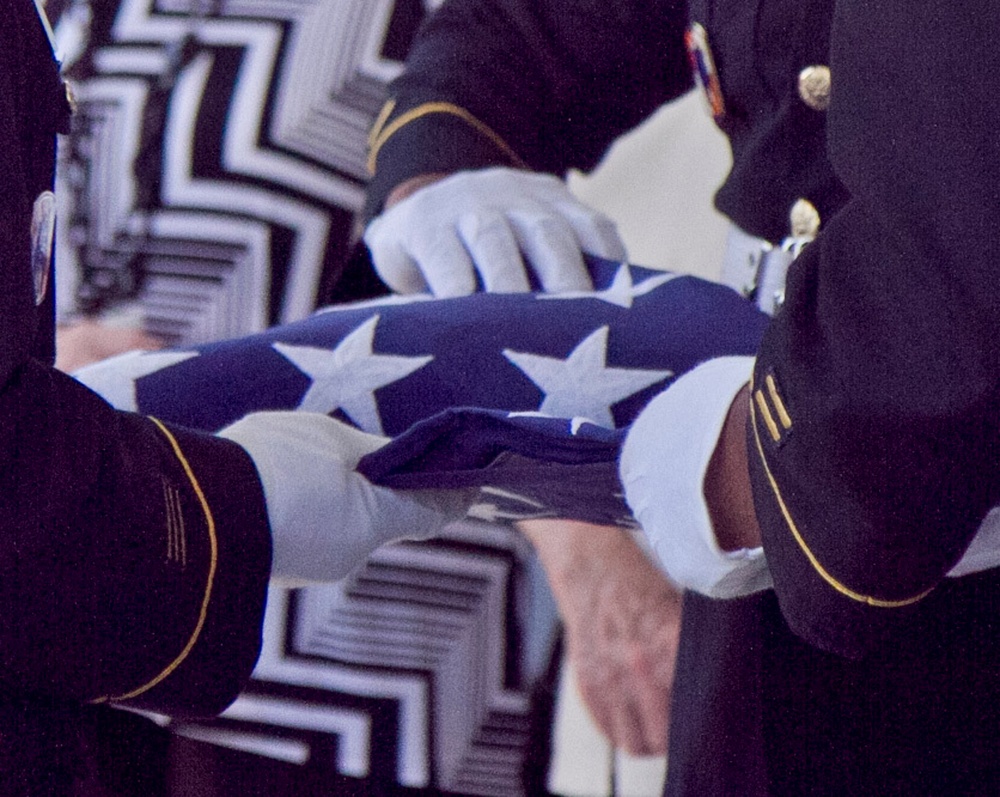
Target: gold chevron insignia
[{"x": 772, "y": 409}]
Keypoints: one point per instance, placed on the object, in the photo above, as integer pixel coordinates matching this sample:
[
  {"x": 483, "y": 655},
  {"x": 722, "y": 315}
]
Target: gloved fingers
[
  {"x": 445, "y": 264},
  {"x": 325, "y": 517},
  {"x": 596, "y": 233},
  {"x": 413, "y": 514},
  {"x": 493, "y": 247},
  {"x": 411, "y": 255},
  {"x": 498, "y": 222},
  {"x": 394, "y": 266},
  {"x": 553, "y": 252},
  {"x": 303, "y": 435}
]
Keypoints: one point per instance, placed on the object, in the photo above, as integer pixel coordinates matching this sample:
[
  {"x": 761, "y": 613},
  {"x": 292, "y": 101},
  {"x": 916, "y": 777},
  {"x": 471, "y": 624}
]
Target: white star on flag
[
  {"x": 620, "y": 292},
  {"x": 347, "y": 377},
  {"x": 583, "y": 385},
  {"x": 115, "y": 377}
]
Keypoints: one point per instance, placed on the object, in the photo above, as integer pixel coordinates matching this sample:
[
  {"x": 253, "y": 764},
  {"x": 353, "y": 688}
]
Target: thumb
[{"x": 325, "y": 517}]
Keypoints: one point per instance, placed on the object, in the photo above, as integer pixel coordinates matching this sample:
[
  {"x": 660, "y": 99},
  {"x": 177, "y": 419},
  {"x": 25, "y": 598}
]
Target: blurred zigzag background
[{"x": 213, "y": 183}]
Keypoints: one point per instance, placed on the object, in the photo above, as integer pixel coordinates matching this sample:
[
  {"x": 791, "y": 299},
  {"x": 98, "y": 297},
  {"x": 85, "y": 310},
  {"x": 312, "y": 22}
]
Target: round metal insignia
[
  {"x": 804, "y": 219},
  {"x": 43, "y": 225},
  {"x": 814, "y": 87}
]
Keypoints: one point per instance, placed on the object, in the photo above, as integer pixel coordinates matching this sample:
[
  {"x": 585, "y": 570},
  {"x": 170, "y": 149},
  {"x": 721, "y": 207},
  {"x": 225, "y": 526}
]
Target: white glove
[
  {"x": 662, "y": 468},
  {"x": 326, "y": 518},
  {"x": 484, "y": 221}
]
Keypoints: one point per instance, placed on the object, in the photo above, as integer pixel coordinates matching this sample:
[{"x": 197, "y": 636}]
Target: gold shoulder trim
[
  {"x": 840, "y": 587},
  {"x": 209, "y": 582},
  {"x": 381, "y": 132}
]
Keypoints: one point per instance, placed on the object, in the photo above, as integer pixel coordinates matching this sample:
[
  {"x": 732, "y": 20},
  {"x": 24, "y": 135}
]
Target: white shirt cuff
[
  {"x": 662, "y": 467},
  {"x": 983, "y": 552}
]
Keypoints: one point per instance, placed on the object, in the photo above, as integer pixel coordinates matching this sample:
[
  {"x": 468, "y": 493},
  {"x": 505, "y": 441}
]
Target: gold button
[
  {"x": 804, "y": 219},
  {"x": 70, "y": 96},
  {"x": 814, "y": 87}
]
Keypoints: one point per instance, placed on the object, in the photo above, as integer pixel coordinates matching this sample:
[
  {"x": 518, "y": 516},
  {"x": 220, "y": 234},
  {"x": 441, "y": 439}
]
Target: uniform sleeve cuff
[
  {"x": 663, "y": 464},
  {"x": 430, "y": 143}
]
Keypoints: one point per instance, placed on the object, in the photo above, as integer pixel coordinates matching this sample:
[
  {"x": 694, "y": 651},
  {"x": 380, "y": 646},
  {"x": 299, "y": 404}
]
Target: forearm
[
  {"x": 411, "y": 186},
  {"x": 527, "y": 84},
  {"x": 139, "y": 552},
  {"x": 573, "y": 552},
  {"x": 622, "y": 621},
  {"x": 684, "y": 470},
  {"x": 727, "y": 483}
]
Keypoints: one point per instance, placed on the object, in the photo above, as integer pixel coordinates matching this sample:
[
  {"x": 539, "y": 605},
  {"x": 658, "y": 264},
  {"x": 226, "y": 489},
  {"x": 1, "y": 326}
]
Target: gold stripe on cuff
[
  {"x": 384, "y": 134},
  {"x": 765, "y": 413},
  {"x": 779, "y": 405},
  {"x": 843, "y": 589},
  {"x": 210, "y": 581}
]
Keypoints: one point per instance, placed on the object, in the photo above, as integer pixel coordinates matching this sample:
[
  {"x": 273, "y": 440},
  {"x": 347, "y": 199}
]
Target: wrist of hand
[
  {"x": 409, "y": 187},
  {"x": 727, "y": 485},
  {"x": 684, "y": 472}
]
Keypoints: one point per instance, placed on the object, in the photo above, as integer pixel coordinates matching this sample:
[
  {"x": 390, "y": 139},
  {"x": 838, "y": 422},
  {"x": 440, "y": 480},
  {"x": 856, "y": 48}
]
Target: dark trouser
[
  {"x": 758, "y": 712},
  {"x": 716, "y": 746}
]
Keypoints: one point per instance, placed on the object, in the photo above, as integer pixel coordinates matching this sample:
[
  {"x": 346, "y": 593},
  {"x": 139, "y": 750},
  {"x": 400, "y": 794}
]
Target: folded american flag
[{"x": 523, "y": 397}]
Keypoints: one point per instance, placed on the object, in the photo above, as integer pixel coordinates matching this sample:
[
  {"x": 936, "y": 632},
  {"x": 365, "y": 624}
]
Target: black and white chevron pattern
[
  {"x": 245, "y": 121},
  {"x": 406, "y": 665}
]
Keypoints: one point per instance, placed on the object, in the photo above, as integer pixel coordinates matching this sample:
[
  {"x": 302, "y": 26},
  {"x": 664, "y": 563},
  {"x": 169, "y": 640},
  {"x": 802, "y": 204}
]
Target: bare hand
[
  {"x": 622, "y": 620},
  {"x": 84, "y": 342}
]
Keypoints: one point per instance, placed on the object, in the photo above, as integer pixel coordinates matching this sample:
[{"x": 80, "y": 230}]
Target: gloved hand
[
  {"x": 498, "y": 222},
  {"x": 325, "y": 517}
]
